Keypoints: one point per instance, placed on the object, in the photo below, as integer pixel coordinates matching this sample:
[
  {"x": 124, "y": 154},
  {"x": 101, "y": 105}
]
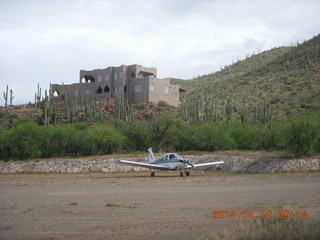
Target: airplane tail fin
[{"x": 151, "y": 156}]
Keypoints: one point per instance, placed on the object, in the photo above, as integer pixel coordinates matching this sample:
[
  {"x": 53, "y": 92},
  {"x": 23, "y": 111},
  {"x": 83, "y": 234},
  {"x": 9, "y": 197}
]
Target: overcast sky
[{"x": 51, "y": 40}]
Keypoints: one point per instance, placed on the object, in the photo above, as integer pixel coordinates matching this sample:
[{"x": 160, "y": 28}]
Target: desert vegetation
[{"x": 299, "y": 135}]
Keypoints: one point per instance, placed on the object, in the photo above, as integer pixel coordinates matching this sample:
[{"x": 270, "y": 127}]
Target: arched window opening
[
  {"x": 99, "y": 90},
  {"x": 106, "y": 89},
  {"x": 88, "y": 78},
  {"x": 56, "y": 93}
]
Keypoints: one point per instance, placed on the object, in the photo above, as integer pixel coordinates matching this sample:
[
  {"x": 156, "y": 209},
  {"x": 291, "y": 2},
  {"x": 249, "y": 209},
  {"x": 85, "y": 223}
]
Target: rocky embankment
[{"x": 232, "y": 164}]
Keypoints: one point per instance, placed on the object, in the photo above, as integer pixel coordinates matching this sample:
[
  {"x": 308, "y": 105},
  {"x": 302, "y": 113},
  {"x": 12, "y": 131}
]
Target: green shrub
[
  {"x": 25, "y": 141},
  {"x": 212, "y": 136},
  {"x": 303, "y": 135},
  {"x": 163, "y": 104},
  {"x": 138, "y": 135},
  {"x": 105, "y": 137}
]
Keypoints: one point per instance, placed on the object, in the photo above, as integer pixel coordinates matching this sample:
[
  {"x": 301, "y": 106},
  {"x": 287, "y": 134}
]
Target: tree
[
  {"x": 160, "y": 129},
  {"x": 138, "y": 135}
]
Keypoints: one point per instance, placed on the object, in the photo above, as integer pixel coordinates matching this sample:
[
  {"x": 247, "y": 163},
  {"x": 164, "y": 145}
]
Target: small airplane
[{"x": 169, "y": 161}]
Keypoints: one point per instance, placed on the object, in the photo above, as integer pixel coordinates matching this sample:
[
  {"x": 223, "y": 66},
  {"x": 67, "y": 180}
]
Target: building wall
[
  {"x": 137, "y": 82},
  {"x": 162, "y": 90}
]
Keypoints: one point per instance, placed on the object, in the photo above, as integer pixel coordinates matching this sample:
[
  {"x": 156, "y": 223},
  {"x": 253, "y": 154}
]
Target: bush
[
  {"x": 25, "y": 142},
  {"x": 105, "y": 137},
  {"x": 303, "y": 135},
  {"x": 5, "y": 144},
  {"x": 138, "y": 135},
  {"x": 163, "y": 104},
  {"x": 184, "y": 139},
  {"x": 212, "y": 136},
  {"x": 61, "y": 139},
  {"x": 246, "y": 137}
]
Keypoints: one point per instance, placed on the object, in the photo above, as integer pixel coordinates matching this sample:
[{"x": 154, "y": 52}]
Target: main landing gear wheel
[
  {"x": 181, "y": 174},
  {"x": 152, "y": 174},
  {"x": 187, "y": 173}
]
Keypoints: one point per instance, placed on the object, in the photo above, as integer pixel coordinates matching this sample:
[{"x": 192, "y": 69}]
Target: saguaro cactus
[
  {"x": 11, "y": 97},
  {"x": 5, "y": 96},
  {"x": 229, "y": 111},
  {"x": 46, "y": 111}
]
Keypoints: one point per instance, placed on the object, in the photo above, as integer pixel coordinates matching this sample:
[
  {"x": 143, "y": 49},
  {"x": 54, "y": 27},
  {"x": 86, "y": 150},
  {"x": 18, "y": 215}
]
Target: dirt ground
[{"x": 136, "y": 206}]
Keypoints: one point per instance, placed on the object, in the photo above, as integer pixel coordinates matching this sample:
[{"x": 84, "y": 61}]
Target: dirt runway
[{"x": 136, "y": 206}]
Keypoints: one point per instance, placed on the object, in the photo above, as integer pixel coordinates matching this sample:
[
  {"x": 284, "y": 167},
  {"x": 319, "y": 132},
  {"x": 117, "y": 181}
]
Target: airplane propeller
[{"x": 188, "y": 162}]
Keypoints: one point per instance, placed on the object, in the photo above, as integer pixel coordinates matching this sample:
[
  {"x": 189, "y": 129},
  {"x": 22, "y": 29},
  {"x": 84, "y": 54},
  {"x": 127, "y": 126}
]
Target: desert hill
[{"x": 288, "y": 77}]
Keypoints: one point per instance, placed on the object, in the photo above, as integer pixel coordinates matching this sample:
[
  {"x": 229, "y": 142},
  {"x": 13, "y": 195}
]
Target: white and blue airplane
[{"x": 169, "y": 161}]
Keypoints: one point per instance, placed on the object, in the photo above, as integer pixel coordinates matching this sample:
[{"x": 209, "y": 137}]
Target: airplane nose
[{"x": 187, "y": 162}]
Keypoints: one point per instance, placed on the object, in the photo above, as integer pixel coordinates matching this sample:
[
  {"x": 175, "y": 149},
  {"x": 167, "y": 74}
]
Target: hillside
[{"x": 288, "y": 77}]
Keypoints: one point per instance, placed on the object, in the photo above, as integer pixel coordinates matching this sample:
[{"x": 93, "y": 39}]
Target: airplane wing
[
  {"x": 140, "y": 164},
  {"x": 205, "y": 164}
]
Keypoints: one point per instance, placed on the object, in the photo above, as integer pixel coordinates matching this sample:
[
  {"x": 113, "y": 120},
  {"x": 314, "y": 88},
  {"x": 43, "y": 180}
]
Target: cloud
[{"x": 45, "y": 41}]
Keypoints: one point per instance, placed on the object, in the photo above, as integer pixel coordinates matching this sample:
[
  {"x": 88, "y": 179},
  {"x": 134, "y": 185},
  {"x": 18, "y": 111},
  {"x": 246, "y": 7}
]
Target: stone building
[{"x": 138, "y": 84}]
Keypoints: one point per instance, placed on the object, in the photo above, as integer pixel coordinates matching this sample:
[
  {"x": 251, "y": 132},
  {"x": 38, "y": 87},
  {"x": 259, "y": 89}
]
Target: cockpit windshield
[{"x": 169, "y": 156}]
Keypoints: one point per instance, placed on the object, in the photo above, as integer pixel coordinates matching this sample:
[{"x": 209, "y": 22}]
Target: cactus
[
  {"x": 229, "y": 111},
  {"x": 37, "y": 97},
  {"x": 71, "y": 112},
  {"x": 54, "y": 116},
  {"x": 50, "y": 93},
  {"x": 89, "y": 112},
  {"x": 216, "y": 113},
  {"x": 46, "y": 111},
  {"x": 123, "y": 109},
  {"x": 38, "y": 93},
  {"x": 100, "y": 110},
  {"x": 184, "y": 111},
  {"x": 11, "y": 97},
  {"x": 5, "y": 96}
]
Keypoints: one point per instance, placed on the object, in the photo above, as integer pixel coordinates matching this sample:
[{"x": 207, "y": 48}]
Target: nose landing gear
[{"x": 187, "y": 173}]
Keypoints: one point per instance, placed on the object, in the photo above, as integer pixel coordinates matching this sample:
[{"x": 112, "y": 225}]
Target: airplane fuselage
[{"x": 171, "y": 164}]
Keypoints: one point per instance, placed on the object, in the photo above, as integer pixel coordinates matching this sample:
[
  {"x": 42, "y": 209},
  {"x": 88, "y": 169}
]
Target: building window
[
  {"x": 99, "y": 90},
  {"x": 117, "y": 90},
  {"x": 87, "y": 91},
  {"x": 138, "y": 88},
  {"x": 56, "y": 93},
  {"x": 107, "y": 77},
  {"x": 125, "y": 89},
  {"x": 106, "y": 89},
  {"x": 166, "y": 89},
  {"x": 115, "y": 76},
  {"x": 76, "y": 92},
  {"x": 99, "y": 78},
  {"x": 151, "y": 87},
  {"x": 121, "y": 76}
]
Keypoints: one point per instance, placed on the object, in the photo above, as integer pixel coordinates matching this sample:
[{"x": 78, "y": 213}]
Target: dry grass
[
  {"x": 272, "y": 229},
  {"x": 118, "y": 205}
]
